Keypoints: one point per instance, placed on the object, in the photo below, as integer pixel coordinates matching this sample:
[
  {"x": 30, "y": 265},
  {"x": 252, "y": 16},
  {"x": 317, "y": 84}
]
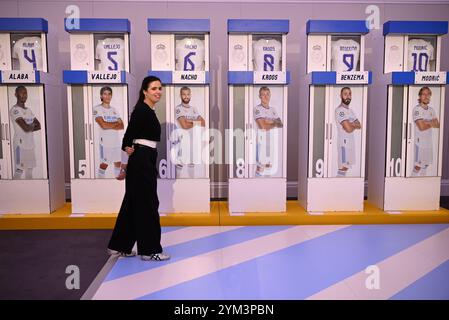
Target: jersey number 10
[{"x": 420, "y": 61}]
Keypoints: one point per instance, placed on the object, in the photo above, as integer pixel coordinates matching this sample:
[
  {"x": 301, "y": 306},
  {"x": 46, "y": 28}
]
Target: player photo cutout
[
  {"x": 347, "y": 149},
  {"x": 26, "y": 130},
  {"x": 426, "y": 130},
  {"x": 188, "y": 138},
  {"x": 267, "y": 115},
  {"x": 109, "y": 130}
]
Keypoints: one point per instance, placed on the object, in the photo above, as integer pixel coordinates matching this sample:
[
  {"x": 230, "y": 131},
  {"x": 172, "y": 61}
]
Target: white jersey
[
  {"x": 29, "y": 52},
  {"x": 190, "y": 113},
  {"x": 345, "y": 55},
  {"x": 267, "y": 55},
  {"x": 423, "y": 139},
  {"x": 343, "y": 113},
  {"x": 260, "y": 112},
  {"x": 108, "y": 138},
  {"x": 190, "y": 54},
  {"x": 420, "y": 52},
  {"x": 21, "y": 138},
  {"x": 111, "y": 53}
]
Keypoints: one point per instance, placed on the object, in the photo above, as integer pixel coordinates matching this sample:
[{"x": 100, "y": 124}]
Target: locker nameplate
[
  {"x": 430, "y": 77},
  {"x": 104, "y": 77},
  {"x": 17, "y": 76},
  {"x": 356, "y": 77}
]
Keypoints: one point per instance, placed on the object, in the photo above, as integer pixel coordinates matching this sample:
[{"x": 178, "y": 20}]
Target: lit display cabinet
[
  {"x": 332, "y": 171},
  {"x": 258, "y": 93},
  {"x": 406, "y": 171},
  {"x": 31, "y": 147},
  {"x": 100, "y": 93},
  {"x": 180, "y": 58}
]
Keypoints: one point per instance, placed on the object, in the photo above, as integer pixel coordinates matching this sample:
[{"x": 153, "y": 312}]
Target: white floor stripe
[
  {"x": 175, "y": 237},
  {"x": 395, "y": 273},
  {"x": 149, "y": 281}
]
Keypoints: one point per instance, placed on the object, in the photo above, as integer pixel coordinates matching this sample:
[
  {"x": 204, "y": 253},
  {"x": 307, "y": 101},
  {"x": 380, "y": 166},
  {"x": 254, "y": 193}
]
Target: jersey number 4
[
  {"x": 420, "y": 61},
  {"x": 30, "y": 58}
]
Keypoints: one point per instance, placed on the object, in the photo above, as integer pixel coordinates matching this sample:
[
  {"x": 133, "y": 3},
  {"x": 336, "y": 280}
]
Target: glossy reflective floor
[{"x": 287, "y": 262}]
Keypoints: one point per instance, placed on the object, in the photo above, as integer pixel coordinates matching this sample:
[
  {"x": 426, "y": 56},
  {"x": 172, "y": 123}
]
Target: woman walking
[{"x": 138, "y": 219}]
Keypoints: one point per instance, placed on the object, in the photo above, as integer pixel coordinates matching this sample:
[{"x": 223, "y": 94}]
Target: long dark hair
[{"x": 145, "y": 83}]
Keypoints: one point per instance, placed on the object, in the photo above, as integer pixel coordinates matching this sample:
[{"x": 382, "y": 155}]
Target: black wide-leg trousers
[{"x": 138, "y": 219}]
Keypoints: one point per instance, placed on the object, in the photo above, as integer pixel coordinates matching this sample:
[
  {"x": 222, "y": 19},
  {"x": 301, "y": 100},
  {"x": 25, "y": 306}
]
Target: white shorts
[
  {"x": 110, "y": 154},
  {"x": 346, "y": 155},
  {"x": 24, "y": 158},
  {"x": 423, "y": 156},
  {"x": 264, "y": 154}
]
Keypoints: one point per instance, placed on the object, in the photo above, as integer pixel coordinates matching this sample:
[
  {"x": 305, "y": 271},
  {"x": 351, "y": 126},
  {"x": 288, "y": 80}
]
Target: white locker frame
[
  {"x": 401, "y": 41},
  {"x": 5, "y": 41},
  {"x": 169, "y": 40},
  {"x": 7, "y": 126},
  {"x": 175, "y": 194},
  {"x": 44, "y": 195},
  {"x": 87, "y": 195},
  {"x": 273, "y": 188},
  {"x": 406, "y": 193},
  {"x": 391, "y": 188},
  {"x": 328, "y": 134},
  {"x": 407, "y": 134},
  {"x": 325, "y": 41},
  {"x": 249, "y": 133},
  {"x": 6, "y": 161},
  {"x": 326, "y": 193},
  {"x": 88, "y": 39},
  {"x": 171, "y": 95}
]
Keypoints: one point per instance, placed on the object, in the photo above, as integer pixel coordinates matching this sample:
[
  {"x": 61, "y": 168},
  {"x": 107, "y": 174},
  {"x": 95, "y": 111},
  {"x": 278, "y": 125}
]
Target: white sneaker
[
  {"x": 121, "y": 254},
  {"x": 155, "y": 257}
]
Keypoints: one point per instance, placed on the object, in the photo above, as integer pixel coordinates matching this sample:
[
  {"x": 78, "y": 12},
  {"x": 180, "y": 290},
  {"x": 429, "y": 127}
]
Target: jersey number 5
[{"x": 114, "y": 63}]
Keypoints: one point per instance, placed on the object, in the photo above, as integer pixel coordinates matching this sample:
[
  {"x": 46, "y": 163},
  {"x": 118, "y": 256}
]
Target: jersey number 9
[{"x": 348, "y": 60}]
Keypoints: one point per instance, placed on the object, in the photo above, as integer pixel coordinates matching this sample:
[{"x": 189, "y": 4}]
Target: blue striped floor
[{"x": 289, "y": 262}]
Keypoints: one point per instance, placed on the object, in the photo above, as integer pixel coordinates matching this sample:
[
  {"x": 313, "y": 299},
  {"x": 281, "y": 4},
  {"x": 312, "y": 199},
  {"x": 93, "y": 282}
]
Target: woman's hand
[
  {"x": 122, "y": 174},
  {"x": 129, "y": 150}
]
